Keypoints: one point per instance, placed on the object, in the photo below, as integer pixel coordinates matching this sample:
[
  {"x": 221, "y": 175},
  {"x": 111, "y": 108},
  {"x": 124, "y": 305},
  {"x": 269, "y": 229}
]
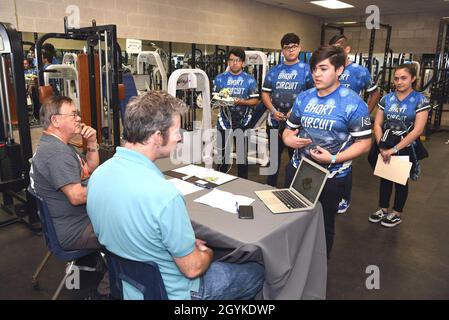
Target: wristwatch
[
  {"x": 395, "y": 149},
  {"x": 94, "y": 149}
]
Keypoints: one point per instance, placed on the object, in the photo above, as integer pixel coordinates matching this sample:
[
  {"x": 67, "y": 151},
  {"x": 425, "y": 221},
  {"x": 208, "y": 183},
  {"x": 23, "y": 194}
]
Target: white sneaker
[
  {"x": 377, "y": 216},
  {"x": 343, "y": 206},
  {"x": 391, "y": 220}
]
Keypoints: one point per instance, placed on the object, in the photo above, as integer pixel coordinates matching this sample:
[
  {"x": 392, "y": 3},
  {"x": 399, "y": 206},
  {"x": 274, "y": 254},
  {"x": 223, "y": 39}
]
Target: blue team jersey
[
  {"x": 242, "y": 86},
  {"x": 404, "y": 110},
  {"x": 333, "y": 122},
  {"x": 284, "y": 83},
  {"x": 357, "y": 78}
]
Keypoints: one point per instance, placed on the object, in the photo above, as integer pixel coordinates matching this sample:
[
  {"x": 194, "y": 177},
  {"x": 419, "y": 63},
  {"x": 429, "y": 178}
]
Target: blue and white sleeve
[
  {"x": 217, "y": 85},
  {"x": 381, "y": 104},
  {"x": 253, "y": 89},
  {"x": 370, "y": 86},
  {"x": 268, "y": 82},
  {"x": 308, "y": 80},
  {"x": 294, "y": 121},
  {"x": 359, "y": 122},
  {"x": 423, "y": 104}
]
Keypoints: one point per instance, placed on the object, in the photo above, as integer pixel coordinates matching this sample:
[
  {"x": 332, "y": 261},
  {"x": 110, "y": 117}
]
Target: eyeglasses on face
[
  {"x": 290, "y": 47},
  {"x": 73, "y": 114},
  {"x": 237, "y": 60}
]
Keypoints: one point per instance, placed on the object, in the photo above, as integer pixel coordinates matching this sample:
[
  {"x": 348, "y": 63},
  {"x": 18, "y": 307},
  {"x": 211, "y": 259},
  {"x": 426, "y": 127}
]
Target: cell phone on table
[{"x": 246, "y": 212}]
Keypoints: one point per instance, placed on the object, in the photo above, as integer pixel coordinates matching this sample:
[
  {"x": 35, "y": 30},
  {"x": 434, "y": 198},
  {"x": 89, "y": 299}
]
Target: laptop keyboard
[{"x": 288, "y": 199}]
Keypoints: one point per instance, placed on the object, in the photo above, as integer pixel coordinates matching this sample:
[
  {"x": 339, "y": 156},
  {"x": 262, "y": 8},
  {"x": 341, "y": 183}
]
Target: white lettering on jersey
[
  {"x": 287, "y": 85},
  {"x": 396, "y": 116},
  {"x": 317, "y": 123},
  {"x": 287, "y": 76},
  {"x": 395, "y": 108},
  {"x": 232, "y": 82},
  {"x": 237, "y": 91},
  {"x": 344, "y": 76},
  {"x": 320, "y": 109}
]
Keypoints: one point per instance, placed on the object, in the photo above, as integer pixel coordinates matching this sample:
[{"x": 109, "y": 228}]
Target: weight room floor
[{"x": 413, "y": 258}]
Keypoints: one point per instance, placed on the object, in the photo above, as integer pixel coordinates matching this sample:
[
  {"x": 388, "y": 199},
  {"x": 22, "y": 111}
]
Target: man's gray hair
[
  {"x": 148, "y": 113},
  {"x": 52, "y": 106}
]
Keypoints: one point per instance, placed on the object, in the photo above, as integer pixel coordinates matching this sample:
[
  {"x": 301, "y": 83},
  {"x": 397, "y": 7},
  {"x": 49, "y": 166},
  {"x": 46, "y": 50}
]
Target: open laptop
[{"x": 303, "y": 193}]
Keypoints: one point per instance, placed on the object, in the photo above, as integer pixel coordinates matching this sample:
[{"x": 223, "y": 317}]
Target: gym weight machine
[
  {"x": 14, "y": 156},
  {"x": 98, "y": 98},
  {"x": 440, "y": 79}
]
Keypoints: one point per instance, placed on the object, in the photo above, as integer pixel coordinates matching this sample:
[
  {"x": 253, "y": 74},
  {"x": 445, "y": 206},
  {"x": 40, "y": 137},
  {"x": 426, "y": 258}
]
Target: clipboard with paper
[{"x": 398, "y": 170}]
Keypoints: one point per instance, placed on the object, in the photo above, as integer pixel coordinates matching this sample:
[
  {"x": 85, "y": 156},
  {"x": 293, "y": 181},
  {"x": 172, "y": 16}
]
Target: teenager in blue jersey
[
  {"x": 281, "y": 86},
  {"x": 357, "y": 78},
  {"x": 243, "y": 88},
  {"x": 329, "y": 124},
  {"x": 408, "y": 108}
]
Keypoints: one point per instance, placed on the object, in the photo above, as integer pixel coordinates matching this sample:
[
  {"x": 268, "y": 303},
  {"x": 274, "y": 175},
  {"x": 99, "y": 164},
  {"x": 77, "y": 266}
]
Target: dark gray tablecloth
[{"x": 291, "y": 246}]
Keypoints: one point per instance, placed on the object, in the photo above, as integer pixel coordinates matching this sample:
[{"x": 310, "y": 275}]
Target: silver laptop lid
[{"x": 309, "y": 180}]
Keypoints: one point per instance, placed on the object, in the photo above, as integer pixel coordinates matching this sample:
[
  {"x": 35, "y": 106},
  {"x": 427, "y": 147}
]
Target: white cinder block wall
[
  {"x": 411, "y": 33},
  {"x": 225, "y": 22}
]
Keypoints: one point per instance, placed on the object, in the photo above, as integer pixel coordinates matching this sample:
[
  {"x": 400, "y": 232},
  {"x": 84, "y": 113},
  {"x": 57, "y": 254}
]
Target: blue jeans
[{"x": 230, "y": 281}]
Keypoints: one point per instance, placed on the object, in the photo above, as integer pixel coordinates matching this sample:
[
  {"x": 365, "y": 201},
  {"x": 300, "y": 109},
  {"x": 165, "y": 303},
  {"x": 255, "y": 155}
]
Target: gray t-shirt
[{"x": 54, "y": 166}]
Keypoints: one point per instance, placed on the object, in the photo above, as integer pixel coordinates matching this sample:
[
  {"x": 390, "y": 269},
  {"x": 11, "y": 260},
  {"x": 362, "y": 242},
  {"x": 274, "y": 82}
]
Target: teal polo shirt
[{"x": 137, "y": 214}]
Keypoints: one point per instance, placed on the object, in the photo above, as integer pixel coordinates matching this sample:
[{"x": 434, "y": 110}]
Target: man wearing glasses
[
  {"x": 59, "y": 174},
  {"x": 282, "y": 85},
  {"x": 243, "y": 88}
]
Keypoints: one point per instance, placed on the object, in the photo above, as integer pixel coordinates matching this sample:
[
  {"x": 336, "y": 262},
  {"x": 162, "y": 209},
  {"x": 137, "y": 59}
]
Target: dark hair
[
  {"x": 52, "y": 106},
  {"x": 341, "y": 38},
  {"x": 410, "y": 69},
  {"x": 47, "y": 55},
  {"x": 148, "y": 113},
  {"x": 48, "y": 52},
  {"x": 336, "y": 56},
  {"x": 49, "y": 47},
  {"x": 289, "y": 38},
  {"x": 238, "y": 53}
]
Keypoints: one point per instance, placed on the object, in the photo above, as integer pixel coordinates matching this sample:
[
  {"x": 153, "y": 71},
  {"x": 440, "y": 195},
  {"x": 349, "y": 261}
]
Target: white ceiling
[{"x": 385, "y": 6}]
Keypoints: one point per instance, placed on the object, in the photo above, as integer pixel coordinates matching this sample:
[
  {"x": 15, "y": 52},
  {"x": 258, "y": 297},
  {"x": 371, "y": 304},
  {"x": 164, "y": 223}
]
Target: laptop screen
[{"x": 308, "y": 181}]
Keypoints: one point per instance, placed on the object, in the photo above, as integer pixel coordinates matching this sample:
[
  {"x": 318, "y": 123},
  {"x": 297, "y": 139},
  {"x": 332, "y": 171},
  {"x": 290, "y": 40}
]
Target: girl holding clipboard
[{"x": 400, "y": 120}]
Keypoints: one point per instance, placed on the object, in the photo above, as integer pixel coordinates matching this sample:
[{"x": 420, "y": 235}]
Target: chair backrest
[
  {"x": 48, "y": 229},
  {"x": 144, "y": 276}
]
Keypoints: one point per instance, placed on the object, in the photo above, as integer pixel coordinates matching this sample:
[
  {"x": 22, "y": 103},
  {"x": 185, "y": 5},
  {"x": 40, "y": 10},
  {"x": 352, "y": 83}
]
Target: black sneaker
[
  {"x": 391, "y": 220},
  {"x": 377, "y": 216}
]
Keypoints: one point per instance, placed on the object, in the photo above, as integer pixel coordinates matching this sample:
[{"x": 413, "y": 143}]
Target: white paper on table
[
  {"x": 185, "y": 187},
  {"x": 224, "y": 200},
  {"x": 209, "y": 175}
]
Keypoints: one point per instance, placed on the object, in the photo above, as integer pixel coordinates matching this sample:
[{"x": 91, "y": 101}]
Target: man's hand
[
  {"x": 201, "y": 245},
  {"x": 238, "y": 101},
  {"x": 295, "y": 142},
  {"x": 88, "y": 133},
  {"x": 321, "y": 155},
  {"x": 279, "y": 116}
]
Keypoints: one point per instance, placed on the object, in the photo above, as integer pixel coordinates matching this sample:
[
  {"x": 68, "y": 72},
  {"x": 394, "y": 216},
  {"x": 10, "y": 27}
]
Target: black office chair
[
  {"x": 53, "y": 245},
  {"x": 144, "y": 276}
]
